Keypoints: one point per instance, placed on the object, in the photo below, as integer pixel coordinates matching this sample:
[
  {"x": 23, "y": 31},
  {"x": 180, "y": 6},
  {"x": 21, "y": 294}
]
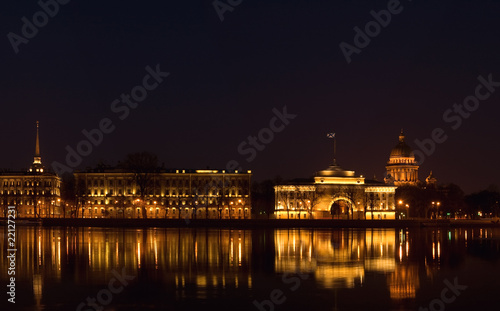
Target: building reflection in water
[
  {"x": 199, "y": 257},
  {"x": 342, "y": 258},
  {"x": 206, "y": 263}
]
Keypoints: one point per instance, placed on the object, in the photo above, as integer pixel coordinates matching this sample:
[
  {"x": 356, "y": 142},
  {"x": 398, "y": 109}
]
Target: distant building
[
  {"x": 402, "y": 169},
  {"x": 114, "y": 192},
  {"x": 35, "y": 192},
  {"x": 430, "y": 181}
]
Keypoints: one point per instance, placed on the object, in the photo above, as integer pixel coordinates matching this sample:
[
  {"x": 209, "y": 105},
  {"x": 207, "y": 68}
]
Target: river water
[{"x": 65, "y": 268}]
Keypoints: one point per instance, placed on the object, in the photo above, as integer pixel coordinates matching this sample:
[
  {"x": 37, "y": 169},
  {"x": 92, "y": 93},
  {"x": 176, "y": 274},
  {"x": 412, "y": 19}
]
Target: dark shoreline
[{"x": 251, "y": 223}]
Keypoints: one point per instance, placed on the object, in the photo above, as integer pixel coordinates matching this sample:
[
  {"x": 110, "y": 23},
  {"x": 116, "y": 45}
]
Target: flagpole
[
  {"x": 332, "y": 135},
  {"x": 334, "y": 150}
]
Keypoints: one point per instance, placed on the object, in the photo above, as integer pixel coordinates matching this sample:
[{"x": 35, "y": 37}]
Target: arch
[{"x": 336, "y": 204}]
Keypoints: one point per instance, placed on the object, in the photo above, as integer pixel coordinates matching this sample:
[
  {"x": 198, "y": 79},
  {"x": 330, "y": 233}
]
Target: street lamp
[{"x": 400, "y": 203}]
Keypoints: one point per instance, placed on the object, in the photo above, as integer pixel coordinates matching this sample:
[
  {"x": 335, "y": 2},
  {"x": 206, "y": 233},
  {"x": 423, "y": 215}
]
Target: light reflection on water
[{"x": 213, "y": 264}]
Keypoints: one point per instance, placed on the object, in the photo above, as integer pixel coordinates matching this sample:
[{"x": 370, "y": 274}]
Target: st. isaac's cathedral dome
[
  {"x": 402, "y": 149},
  {"x": 402, "y": 169}
]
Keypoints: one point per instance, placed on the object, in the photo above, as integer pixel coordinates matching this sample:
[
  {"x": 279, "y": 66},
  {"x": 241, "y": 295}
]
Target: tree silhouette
[{"x": 144, "y": 168}]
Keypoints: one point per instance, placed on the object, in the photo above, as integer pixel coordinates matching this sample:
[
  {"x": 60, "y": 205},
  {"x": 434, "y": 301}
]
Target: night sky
[{"x": 226, "y": 78}]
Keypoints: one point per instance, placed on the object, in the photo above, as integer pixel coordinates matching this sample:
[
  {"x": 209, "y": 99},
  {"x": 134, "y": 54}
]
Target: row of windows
[
  {"x": 169, "y": 202},
  {"x": 26, "y": 192},
  {"x": 27, "y": 184},
  {"x": 233, "y": 192},
  {"x": 378, "y": 195},
  {"x": 25, "y": 202},
  {"x": 182, "y": 182}
]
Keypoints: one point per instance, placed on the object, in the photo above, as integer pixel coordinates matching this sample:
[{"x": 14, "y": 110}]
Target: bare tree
[
  {"x": 144, "y": 168},
  {"x": 81, "y": 192},
  {"x": 284, "y": 197},
  {"x": 349, "y": 192},
  {"x": 315, "y": 198}
]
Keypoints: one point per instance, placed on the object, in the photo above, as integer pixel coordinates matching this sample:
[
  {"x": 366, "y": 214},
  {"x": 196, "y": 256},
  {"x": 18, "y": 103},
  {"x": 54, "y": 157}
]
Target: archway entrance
[{"x": 341, "y": 208}]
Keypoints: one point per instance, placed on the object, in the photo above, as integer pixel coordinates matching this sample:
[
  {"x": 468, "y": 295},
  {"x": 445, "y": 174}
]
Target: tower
[
  {"x": 402, "y": 167},
  {"x": 37, "y": 159}
]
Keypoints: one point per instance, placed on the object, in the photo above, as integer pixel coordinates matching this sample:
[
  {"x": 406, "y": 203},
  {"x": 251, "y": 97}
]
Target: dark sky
[{"x": 226, "y": 77}]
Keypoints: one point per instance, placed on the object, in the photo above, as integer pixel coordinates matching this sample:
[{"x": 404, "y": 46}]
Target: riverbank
[{"x": 252, "y": 223}]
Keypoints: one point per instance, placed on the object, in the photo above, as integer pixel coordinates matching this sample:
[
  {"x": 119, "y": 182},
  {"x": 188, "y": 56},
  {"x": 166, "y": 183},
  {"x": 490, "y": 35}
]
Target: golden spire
[
  {"x": 37, "y": 145},
  {"x": 37, "y": 159},
  {"x": 401, "y": 136}
]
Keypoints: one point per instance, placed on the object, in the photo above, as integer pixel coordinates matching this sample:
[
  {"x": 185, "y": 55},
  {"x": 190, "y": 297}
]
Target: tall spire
[
  {"x": 37, "y": 159},
  {"x": 37, "y": 145}
]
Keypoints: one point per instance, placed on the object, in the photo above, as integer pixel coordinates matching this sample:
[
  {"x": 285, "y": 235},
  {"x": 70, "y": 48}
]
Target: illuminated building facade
[
  {"x": 35, "y": 192},
  {"x": 335, "y": 193},
  {"x": 402, "y": 169},
  {"x": 115, "y": 193}
]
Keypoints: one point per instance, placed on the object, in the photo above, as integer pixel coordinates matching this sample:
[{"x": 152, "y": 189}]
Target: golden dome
[{"x": 402, "y": 150}]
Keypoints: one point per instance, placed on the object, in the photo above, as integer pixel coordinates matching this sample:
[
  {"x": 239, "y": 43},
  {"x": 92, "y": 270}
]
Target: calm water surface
[{"x": 222, "y": 269}]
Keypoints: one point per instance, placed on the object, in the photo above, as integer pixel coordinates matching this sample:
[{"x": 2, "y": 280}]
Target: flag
[{"x": 330, "y": 135}]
